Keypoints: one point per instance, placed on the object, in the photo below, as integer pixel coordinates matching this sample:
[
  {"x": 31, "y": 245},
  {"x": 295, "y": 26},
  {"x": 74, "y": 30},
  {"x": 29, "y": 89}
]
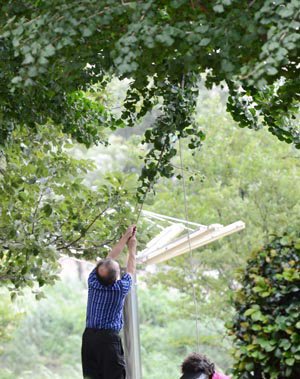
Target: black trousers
[{"x": 102, "y": 355}]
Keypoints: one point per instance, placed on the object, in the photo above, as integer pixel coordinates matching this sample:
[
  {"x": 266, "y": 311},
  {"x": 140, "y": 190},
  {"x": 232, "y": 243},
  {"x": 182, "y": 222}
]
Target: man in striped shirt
[{"x": 102, "y": 352}]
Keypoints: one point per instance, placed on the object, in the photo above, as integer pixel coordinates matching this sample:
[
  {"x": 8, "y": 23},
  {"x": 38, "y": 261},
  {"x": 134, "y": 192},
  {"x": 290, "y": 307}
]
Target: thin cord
[{"x": 190, "y": 247}]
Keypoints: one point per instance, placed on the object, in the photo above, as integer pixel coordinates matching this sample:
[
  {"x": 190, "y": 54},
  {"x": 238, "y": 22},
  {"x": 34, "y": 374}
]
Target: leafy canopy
[
  {"x": 51, "y": 50},
  {"x": 48, "y": 210}
]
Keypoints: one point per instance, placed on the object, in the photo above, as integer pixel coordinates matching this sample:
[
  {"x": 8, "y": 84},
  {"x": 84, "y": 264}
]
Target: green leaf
[
  {"x": 202, "y": 28},
  {"x": 47, "y": 209},
  {"x": 273, "y": 45},
  {"x": 218, "y": 8},
  {"x": 286, "y": 12},
  {"x": 42, "y": 60},
  {"x": 40, "y": 296},
  {"x": 204, "y": 41},
  {"x": 290, "y": 361},
  {"x": 256, "y": 327},
  {"x": 28, "y": 59},
  {"x": 32, "y": 72},
  {"x": 87, "y": 32},
  {"x": 272, "y": 71},
  {"x": 250, "y": 311},
  {"x": 265, "y": 294},
  {"x": 16, "y": 79},
  {"x": 48, "y": 51},
  {"x": 227, "y": 66}
]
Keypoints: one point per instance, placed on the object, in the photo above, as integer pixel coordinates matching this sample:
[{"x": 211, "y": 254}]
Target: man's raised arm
[
  {"x": 119, "y": 246},
  {"x": 131, "y": 263}
]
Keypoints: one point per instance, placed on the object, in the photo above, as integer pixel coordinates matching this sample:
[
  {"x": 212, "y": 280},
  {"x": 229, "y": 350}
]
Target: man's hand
[
  {"x": 130, "y": 232},
  {"x": 132, "y": 243},
  {"x": 119, "y": 246}
]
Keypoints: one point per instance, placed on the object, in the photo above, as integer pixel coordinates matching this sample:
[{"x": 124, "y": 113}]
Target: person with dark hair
[
  {"x": 102, "y": 352},
  {"x": 198, "y": 366}
]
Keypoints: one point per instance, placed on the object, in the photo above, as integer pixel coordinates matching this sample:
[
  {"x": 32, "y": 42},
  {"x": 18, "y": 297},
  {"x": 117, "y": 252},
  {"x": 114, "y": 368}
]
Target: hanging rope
[{"x": 190, "y": 249}]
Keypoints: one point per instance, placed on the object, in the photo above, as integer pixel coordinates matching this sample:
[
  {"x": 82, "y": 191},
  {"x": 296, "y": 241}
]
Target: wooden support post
[{"x": 131, "y": 335}]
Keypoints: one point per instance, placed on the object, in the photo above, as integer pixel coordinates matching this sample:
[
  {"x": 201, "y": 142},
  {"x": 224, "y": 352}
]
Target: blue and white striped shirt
[{"x": 105, "y": 303}]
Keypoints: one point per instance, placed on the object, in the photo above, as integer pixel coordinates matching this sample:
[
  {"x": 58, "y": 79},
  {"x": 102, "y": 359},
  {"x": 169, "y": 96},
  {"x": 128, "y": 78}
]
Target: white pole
[{"x": 132, "y": 335}]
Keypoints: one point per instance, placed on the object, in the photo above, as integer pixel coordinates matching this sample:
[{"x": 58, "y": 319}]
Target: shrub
[{"x": 266, "y": 326}]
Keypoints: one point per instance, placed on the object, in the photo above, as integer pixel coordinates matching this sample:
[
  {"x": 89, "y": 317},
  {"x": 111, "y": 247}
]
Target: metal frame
[
  {"x": 159, "y": 250},
  {"x": 194, "y": 240}
]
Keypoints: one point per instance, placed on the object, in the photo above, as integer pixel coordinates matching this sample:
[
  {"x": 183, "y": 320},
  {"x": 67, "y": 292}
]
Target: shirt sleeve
[{"x": 126, "y": 283}]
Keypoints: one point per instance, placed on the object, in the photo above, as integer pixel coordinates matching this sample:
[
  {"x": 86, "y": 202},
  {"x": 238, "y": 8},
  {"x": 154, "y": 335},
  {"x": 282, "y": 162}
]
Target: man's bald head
[{"x": 108, "y": 271}]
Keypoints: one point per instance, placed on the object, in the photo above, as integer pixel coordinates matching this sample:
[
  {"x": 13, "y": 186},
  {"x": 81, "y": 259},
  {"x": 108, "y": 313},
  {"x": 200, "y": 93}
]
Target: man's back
[{"x": 105, "y": 302}]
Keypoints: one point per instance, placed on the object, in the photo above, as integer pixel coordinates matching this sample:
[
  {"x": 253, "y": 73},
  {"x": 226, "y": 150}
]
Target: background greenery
[
  {"x": 238, "y": 174},
  {"x": 46, "y": 342},
  {"x": 61, "y": 66}
]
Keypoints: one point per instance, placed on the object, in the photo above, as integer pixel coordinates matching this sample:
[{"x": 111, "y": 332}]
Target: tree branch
[
  {"x": 5, "y": 277},
  {"x": 85, "y": 230},
  {"x": 251, "y": 3}
]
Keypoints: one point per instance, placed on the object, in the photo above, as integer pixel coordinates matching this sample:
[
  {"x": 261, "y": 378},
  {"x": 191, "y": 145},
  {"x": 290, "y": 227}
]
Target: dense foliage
[
  {"x": 46, "y": 340},
  {"x": 266, "y": 327},
  {"x": 52, "y": 50},
  {"x": 47, "y": 209}
]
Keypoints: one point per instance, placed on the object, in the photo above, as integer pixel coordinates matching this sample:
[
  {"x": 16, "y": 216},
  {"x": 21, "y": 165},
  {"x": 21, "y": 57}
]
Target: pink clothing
[{"x": 220, "y": 376}]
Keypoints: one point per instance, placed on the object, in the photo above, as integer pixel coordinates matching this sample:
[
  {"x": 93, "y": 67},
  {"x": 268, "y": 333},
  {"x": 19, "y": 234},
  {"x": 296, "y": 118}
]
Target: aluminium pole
[{"x": 132, "y": 334}]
